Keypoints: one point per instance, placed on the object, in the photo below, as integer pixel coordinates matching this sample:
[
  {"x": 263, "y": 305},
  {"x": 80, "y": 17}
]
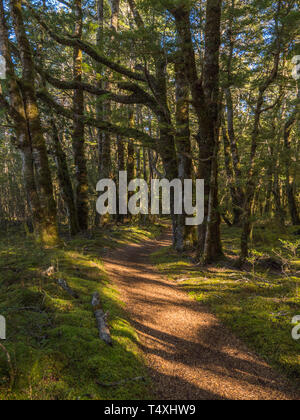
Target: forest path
[{"x": 189, "y": 353}]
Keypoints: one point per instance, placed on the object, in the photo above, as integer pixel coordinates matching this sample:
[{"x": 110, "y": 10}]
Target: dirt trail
[{"x": 189, "y": 353}]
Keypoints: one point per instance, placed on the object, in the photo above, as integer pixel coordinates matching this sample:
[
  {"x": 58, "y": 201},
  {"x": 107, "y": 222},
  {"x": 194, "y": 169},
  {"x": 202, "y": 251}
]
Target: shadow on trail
[{"x": 189, "y": 353}]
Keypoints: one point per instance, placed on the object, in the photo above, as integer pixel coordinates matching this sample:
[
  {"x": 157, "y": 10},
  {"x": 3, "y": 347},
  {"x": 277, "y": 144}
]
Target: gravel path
[{"x": 189, "y": 353}]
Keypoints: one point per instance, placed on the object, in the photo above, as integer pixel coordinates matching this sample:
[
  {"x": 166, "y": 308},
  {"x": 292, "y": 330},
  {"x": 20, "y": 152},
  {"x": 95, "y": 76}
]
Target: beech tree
[
  {"x": 24, "y": 110},
  {"x": 163, "y": 89}
]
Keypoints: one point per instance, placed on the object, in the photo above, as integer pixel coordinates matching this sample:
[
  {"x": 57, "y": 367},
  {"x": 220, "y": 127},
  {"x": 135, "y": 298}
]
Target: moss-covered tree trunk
[
  {"x": 78, "y": 139},
  {"x": 184, "y": 234},
  {"x": 64, "y": 180},
  {"x": 47, "y": 221},
  {"x": 130, "y": 150},
  {"x": 289, "y": 181},
  {"x": 238, "y": 196},
  {"x": 205, "y": 95},
  {"x": 166, "y": 145},
  {"x": 17, "y": 113}
]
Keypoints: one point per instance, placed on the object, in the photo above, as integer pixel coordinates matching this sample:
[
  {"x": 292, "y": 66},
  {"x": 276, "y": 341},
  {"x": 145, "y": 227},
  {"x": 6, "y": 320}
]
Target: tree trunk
[
  {"x": 65, "y": 180},
  {"x": 212, "y": 246},
  {"x": 121, "y": 167},
  {"x": 205, "y": 95},
  {"x": 183, "y": 144},
  {"x": 290, "y": 185},
  {"x": 99, "y": 68},
  {"x": 48, "y": 230},
  {"x": 130, "y": 151},
  {"x": 166, "y": 146},
  {"x": 237, "y": 179},
  {"x": 82, "y": 200},
  {"x": 235, "y": 198},
  {"x": 211, "y": 74}
]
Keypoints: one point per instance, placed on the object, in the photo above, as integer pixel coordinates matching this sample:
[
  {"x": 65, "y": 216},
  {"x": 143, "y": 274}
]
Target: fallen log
[
  {"x": 101, "y": 318},
  {"x": 64, "y": 285}
]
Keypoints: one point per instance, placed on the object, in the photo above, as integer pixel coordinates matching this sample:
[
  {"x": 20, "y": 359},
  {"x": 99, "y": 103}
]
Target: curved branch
[
  {"x": 144, "y": 138},
  {"x": 137, "y": 17},
  {"x": 88, "y": 48},
  {"x": 139, "y": 96}
]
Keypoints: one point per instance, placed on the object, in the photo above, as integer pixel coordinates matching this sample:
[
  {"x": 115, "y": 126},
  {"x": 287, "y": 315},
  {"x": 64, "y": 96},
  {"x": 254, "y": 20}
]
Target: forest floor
[
  {"x": 198, "y": 330},
  {"x": 189, "y": 352},
  {"x": 52, "y": 338}
]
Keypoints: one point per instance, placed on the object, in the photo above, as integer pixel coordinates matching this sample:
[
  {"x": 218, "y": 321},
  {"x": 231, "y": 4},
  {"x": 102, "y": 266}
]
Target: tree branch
[
  {"x": 126, "y": 132},
  {"x": 89, "y": 49},
  {"x": 137, "y": 17},
  {"x": 139, "y": 96}
]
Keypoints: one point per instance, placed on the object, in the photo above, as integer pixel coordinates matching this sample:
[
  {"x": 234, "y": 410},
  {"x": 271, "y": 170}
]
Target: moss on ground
[
  {"x": 52, "y": 338},
  {"x": 258, "y": 305}
]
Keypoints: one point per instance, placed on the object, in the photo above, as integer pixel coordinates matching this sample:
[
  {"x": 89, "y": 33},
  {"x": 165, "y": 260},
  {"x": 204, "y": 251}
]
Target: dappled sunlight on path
[{"x": 189, "y": 353}]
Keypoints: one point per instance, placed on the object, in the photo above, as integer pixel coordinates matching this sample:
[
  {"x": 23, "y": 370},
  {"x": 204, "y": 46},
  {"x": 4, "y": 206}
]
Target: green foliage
[
  {"x": 52, "y": 338},
  {"x": 258, "y": 304}
]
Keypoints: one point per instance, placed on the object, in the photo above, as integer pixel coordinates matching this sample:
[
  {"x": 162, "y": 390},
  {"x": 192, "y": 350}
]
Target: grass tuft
[
  {"x": 52, "y": 338},
  {"x": 257, "y": 305}
]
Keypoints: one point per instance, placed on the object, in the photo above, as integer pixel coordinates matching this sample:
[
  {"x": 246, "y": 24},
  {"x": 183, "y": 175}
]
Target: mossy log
[
  {"x": 101, "y": 318},
  {"x": 64, "y": 285}
]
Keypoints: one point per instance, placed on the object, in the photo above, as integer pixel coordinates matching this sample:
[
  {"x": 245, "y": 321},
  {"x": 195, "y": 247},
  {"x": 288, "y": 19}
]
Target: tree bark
[
  {"x": 237, "y": 202},
  {"x": 82, "y": 200},
  {"x": 211, "y": 73},
  {"x": 48, "y": 230},
  {"x": 205, "y": 95},
  {"x": 238, "y": 197},
  {"x": 158, "y": 85},
  {"x": 17, "y": 113},
  {"x": 183, "y": 144},
  {"x": 64, "y": 180},
  {"x": 290, "y": 184}
]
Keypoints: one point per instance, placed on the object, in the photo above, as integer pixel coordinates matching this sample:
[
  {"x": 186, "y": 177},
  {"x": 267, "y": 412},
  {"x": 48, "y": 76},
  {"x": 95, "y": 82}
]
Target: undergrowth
[
  {"x": 52, "y": 338},
  {"x": 258, "y": 303}
]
